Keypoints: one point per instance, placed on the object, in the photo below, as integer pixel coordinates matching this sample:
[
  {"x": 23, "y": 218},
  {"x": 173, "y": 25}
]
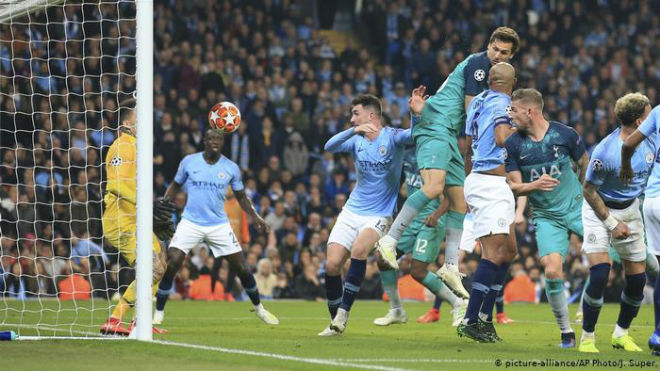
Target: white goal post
[{"x": 65, "y": 68}]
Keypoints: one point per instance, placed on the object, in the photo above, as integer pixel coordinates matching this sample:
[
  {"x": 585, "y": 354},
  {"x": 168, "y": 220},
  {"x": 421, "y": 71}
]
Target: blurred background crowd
[{"x": 293, "y": 68}]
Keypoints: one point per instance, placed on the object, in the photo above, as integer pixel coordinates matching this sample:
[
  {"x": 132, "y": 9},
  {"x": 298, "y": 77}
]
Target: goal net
[{"x": 66, "y": 67}]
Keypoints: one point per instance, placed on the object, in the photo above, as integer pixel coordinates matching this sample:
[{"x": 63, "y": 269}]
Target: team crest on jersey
[
  {"x": 597, "y": 164},
  {"x": 591, "y": 238},
  {"x": 116, "y": 161},
  {"x": 479, "y": 75},
  {"x": 222, "y": 175},
  {"x": 556, "y": 148},
  {"x": 501, "y": 222},
  {"x": 649, "y": 157},
  {"x": 382, "y": 150}
]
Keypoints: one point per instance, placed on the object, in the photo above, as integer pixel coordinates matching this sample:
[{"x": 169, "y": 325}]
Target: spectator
[{"x": 266, "y": 279}]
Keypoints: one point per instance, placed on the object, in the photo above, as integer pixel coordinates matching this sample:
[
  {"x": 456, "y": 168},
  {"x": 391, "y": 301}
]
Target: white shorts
[
  {"x": 652, "y": 224},
  {"x": 350, "y": 224},
  {"x": 597, "y": 238},
  {"x": 491, "y": 203},
  {"x": 220, "y": 239},
  {"x": 468, "y": 242}
]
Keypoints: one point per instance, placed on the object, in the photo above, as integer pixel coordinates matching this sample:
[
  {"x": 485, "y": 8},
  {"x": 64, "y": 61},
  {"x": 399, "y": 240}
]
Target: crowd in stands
[{"x": 294, "y": 91}]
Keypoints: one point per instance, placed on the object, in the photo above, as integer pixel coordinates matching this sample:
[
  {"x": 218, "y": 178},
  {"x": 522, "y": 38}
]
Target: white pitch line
[
  {"x": 284, "y": 357},
  {"x": 413, "y": 360}
]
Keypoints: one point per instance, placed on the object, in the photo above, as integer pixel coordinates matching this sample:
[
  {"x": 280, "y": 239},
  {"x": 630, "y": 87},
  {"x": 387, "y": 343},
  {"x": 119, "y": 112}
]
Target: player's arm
[
  {"x": 582, "y": 164},
  {"x": 521, "y": 205},
  {"x": 503, "y": 125},
  {"x": 341, "y": 142},
  {"x": 545, "y": 183},
  {"x": 627, "y": 151},
  {"x": 248, "y": 207},
  {"x": 468, "y": 154},
  {"x": 468, "y": 99},
  {"x": 172, "y": 190},
  {"x": 121, "y": 171},
  {"x": 594, "y": 178}
]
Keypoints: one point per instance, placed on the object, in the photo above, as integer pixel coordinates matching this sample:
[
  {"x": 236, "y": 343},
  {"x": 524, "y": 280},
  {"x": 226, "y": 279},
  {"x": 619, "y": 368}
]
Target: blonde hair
[
  {"x": 529, "y": 96},
  {"x": 630, "y": 108}
]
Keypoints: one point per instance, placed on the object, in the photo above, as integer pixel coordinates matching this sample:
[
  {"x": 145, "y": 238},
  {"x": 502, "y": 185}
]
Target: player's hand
[
  {"x": 546, "y": 183},
  {"x": 164, "y": 230},
  {"x": 417, "y": 100},
  {"x": 621, "y": 231},
  {"x": 163, "y": 209},
  {"x": 365, "y": 129},
  {"x": 259, "y": 224},
  {"x": 432, "y": 220},
  {"x": 520, "y": 219},
  {"x": 626, "y": 174}
]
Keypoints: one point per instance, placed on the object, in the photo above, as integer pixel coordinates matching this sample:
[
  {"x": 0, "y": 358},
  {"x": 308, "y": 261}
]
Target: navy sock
[
  {"x": 494, "y": 292},
  {"x": 333, "y": 291},
  {"x": 250, "y": 286},
  {"x": 353, "y": 282},
  {"x": 163, "y": 293},
  {"x": 483, "y": 279},
  {"x": 631, "y": 299},
  {"x": 499, "y": 302},
  {"x": 437, "y": 303},
  {"x": 656, "y": 302},
  {"x": 593, "y": 295}
]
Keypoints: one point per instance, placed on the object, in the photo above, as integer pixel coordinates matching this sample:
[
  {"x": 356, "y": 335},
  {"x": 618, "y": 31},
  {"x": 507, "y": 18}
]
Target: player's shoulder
[
  {"x": 605, "y": 149},
  {"x": 514, "y": 140},
  {"x": 479, "y": 59},
  {"x": 231, "y": 165},
  {"x": 562, "y": 129}
]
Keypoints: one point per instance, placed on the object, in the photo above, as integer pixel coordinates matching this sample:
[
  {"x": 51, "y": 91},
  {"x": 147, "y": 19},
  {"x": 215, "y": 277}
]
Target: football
[{"x": 225, "y": 116}]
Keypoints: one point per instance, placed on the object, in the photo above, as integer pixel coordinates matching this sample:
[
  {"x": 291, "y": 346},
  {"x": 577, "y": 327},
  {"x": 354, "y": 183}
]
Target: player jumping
[
  {"x": 438, "y": 156},
  {"x": 490, "y": 200}
]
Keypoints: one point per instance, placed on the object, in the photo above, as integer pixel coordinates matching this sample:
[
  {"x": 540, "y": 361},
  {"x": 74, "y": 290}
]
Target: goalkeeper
[{"x": 119, "y": 218}]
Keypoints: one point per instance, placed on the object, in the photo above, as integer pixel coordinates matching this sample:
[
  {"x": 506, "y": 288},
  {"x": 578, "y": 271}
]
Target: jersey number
[{"x": 420, "y": 246}]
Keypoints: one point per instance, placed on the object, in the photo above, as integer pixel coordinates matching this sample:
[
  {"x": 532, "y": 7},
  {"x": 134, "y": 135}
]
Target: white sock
[
  {"x": 259, "y": 307},
  {"x": 393, "y": 294},
  {"x": 446, "y": 294},
  {"x": 453, "y": 240},
  {"x": 587, "y": 335},
  {"x": 618, "y": 331}
]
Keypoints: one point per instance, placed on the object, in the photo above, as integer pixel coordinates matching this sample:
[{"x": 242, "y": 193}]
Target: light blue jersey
[
  {"x": 650, "y": 127},
  {"x": 378, "y": 165},
  {"x": 206, "y": 186},
  {"x": 485, "y": 112},
  {"x": 605, "y": 164}
]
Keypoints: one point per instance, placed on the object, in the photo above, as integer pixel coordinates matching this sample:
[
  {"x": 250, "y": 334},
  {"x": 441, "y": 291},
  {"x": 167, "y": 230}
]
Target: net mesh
[{"x": 65, "y": 67}]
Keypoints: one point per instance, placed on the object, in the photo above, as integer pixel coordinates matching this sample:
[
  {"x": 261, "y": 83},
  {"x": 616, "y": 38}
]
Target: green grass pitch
[{"x": 227, "y": 336}]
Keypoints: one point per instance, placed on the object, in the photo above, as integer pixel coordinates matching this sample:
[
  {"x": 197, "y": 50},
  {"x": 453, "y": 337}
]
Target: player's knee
[
  {"x": 598, "y": 275},
  {"x": 332, "y": 268},
  {"x": 552, "y": 271},
  {"x": 158, "y": 270},
  {"x": 433, "y": 189},
  {"x": 418, "y": 273},
  {"x": 635, "y": 285}
]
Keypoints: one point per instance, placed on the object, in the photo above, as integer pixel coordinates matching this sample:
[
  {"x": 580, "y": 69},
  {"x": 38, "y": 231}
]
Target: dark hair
[
  {"x": 529, "y": 96},
  {"x": 507, "y": 35},
  {"x": 630, "y": 108},
  {"x": 368, "y": 101}
]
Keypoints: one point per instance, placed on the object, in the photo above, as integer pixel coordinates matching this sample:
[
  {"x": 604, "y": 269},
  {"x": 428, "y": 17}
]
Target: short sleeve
[
  {"x": 501, "y": 112},
  {"x": 236, "y": 179},
  {"x": 650, "y": 125},
  {"x": 511, "y": 146},
  {"x": 475, "y": 76},
  {"x": 181, "y": 173},
  {"x": 576, "y": 145},
  {"x": 402, "y": 137},
  {"x": 597, "y": 170}
]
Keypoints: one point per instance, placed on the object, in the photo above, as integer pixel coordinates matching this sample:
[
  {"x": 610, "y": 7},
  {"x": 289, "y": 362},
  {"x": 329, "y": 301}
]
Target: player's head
[
  {"x": 127, "y": 115},
  {"x": 632, "y": 109},
  {"x": 526, "y": 107},
  {"x": 366, "y": 109},
  {"x": 503, "y": 44},
  {"x": 502, "y": 77},
  {"x": 213, "y": 141}
]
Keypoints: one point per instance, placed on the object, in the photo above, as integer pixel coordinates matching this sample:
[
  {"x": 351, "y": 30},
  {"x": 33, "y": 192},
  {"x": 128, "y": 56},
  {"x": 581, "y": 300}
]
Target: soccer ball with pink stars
[{"x": 225, "y": 116}]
